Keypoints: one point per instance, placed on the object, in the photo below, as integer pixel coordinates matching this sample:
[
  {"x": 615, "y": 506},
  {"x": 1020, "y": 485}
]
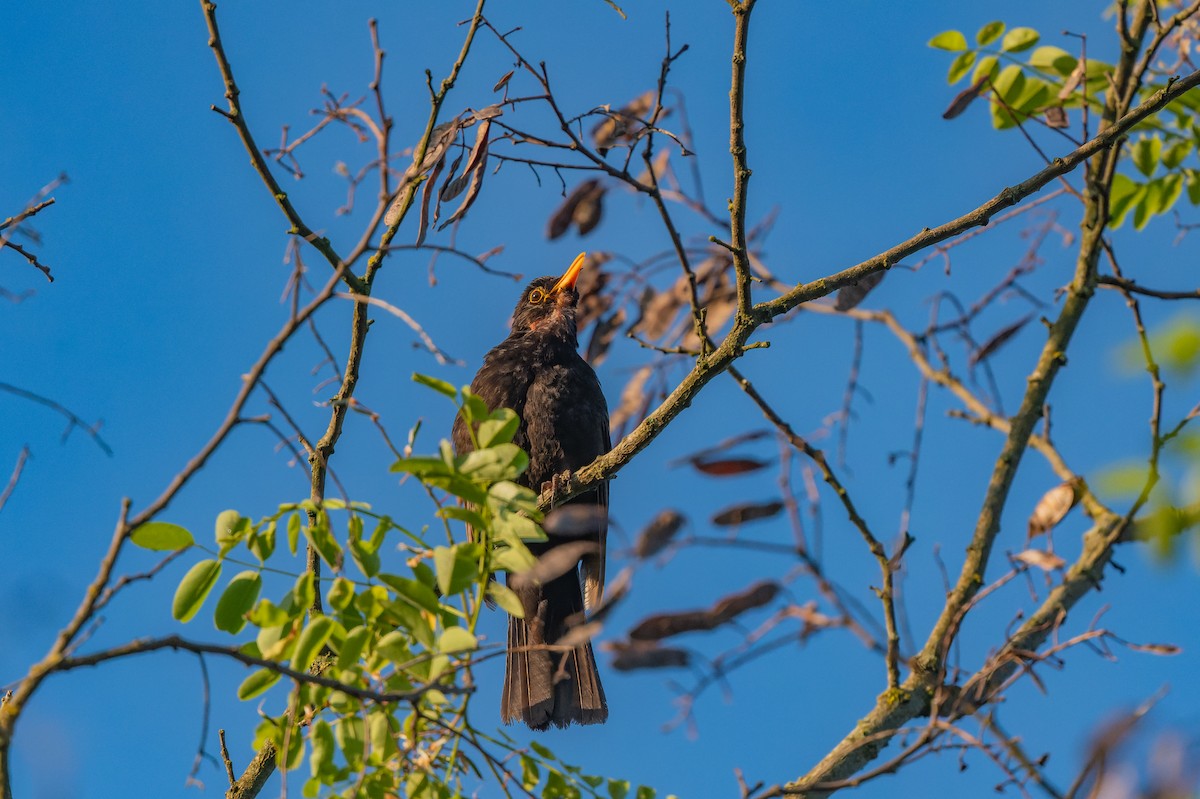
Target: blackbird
[{"x": 538, "y": 373}]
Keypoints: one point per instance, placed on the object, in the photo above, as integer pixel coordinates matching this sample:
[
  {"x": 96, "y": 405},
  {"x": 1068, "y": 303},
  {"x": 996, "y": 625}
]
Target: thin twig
[
  {"x": 73, "y": 419},
  {"x": 441, "y": 356},
  {"x": 22, "y": 456}
]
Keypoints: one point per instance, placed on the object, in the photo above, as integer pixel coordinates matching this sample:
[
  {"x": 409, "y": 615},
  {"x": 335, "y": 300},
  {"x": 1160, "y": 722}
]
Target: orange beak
[{"x": 567, "y": 281}]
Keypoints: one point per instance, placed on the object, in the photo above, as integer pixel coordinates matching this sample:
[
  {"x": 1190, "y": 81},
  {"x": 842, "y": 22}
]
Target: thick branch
[
  {"x": 705, "y": 369},
  {"x": 737, "y": 148},
  {"x": 892, "y": 711},
  {"x": 981, "y": 215}
]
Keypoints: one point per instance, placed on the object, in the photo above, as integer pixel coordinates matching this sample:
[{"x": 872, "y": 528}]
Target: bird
[{"x": 538, "y": 373}]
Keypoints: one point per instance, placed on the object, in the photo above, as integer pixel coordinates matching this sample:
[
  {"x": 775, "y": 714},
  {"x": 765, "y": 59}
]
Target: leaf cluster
[
  {"x": 390, "y": 649},
  {"x": 1050, "y": 86}
]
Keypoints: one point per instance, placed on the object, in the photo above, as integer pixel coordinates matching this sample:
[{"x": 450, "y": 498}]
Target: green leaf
[
  {"x": 228, "y": 524},
  {"x": 512, "y": 528},
  {"x": 501, "y": 462},
  {"x": 1163, "y": 526},
  {"x": 1053, "y": 59},
  {"x": 1173, "y": 156},
  {"x": 1097, "y": 72},
  {"x": 456, "y": 567},
  {"x": 1177, "y": 344},
  {"x": 515, "y": 497},
  {"x": 236, "y": 601},
  {"x": 293, "y": 532},
  {"x": 1019, "y": 39},
  {"x": 1034, "y": 95},
  {"x": 1125, "y": 193},
  {"x": 323, "y": 749},
  {"x": 619, "y": 789},
  {"x": 1149, "y": 204},
  {"x": 986, "y": 35},
  {"x": 498, "y": 429},
  {"x": 257, "y": 683},
  {"x": 415, "y": 593},
  {"x": 467, "y": 515},
  {"x": 394, "y": 646},
  {"x": 383, "y": 742},
  {"x": 322, "y": 540},
  {"x": 645, "y": 792},
  {"x": 293, "y": 758},
  {"x": 266, "y": 614},
  {"x": 1193, "y": 188},
  {"x": 960, "y": 65},
  {"x": 440, "y": 386},
  {"x": 349, "y": 734},
  {"x": 371, "y": 602},
  {"x": 311, "y": 640},
  {"x": 1009, "y": 85},
  {"x": 1122, "y": 480},
  {"x": 366, "y": 559},
  {"x": 542, "y": 751},
  {"x": 262, "y": 542},
  {"x": 988, "y": 65},
  {"x": 556, "y": 786},
  {"x": 474, "y": 409},
  {"x": 1145, "y": 153},
  {"x": 1172, "y": 187},
  {"x": 456, "y": 639},
  {"x": 513, "y": 559},
  {"x": 508, "y": 601},
  {"x": 530, "y": 776},
  {"x": 461, "y": 487},
  {"x": 353, "y": 646},
  {"x": 302, "y": 594},
  {"x": 341, "y": 593},
  {"x": 194, "y": 588},
  {"x": 161, "y": 536},
  {"x": 422, "y": 467},
  {"x": 380, "y": 532},
  {"x": 949, "y": 40}
]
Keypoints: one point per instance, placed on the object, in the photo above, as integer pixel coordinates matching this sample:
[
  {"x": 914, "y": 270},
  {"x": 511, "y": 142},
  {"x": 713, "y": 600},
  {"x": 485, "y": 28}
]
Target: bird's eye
[{"x": 537, "y": 296}]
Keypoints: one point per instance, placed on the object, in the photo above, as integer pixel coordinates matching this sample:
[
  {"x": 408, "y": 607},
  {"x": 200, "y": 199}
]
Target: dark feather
[{"x": 538, "y": 373}]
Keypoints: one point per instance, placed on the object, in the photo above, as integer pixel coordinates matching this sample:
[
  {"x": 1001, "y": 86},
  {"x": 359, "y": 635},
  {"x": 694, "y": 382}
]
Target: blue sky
[{"x": 169, "y": 263}]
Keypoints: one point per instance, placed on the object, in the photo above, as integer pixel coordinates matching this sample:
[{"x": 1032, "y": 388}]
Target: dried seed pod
[
  {"x": 554, "y": 563},
  {"x": 726, "y": 609},
  {"x": 747, "y": 512},
  {"x": 564, "y": 215},
  {"x": 989, "y": 347},
  {"x": 602, "y": 337},
  {"x": 850, "y": 296},
  {"x": 1041, "y": 559},
  {"x": 965, "y": 98},
  {"x": 1056, "y": 117},
  {"x": 624, "y": 125},
  {"x": 1054, "y": 505},
  {"x": 634, "y": 402},
  {"x": 658, "y": 533},
  {"x": 633, "y": 655},
  {"x": 726, "y": 467},
  {"x": 576, "y": 521},
  {"x": 589, "y": 210}
]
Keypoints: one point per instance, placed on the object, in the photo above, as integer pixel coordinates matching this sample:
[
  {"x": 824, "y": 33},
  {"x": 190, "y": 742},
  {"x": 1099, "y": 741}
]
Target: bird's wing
[{"x": 593, "y": 565}]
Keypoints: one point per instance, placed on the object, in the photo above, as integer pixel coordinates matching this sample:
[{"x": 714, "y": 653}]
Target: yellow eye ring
[{"x": 537, "y": 296}]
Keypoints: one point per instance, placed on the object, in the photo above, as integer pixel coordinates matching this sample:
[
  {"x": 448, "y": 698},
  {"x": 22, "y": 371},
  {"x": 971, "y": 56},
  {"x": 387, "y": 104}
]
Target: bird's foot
[{"x": 557, "y": 486}]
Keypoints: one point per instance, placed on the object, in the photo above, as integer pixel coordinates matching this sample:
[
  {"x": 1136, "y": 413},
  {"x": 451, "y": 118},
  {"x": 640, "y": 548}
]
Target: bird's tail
[{"x": 543, "y": 686}]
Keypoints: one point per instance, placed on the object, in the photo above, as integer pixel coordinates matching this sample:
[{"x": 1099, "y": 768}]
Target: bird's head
[{"x": 548, "y": 304}]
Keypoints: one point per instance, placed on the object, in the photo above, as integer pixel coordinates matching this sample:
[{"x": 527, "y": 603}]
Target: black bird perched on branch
[{"x": 538, "y": 373}]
